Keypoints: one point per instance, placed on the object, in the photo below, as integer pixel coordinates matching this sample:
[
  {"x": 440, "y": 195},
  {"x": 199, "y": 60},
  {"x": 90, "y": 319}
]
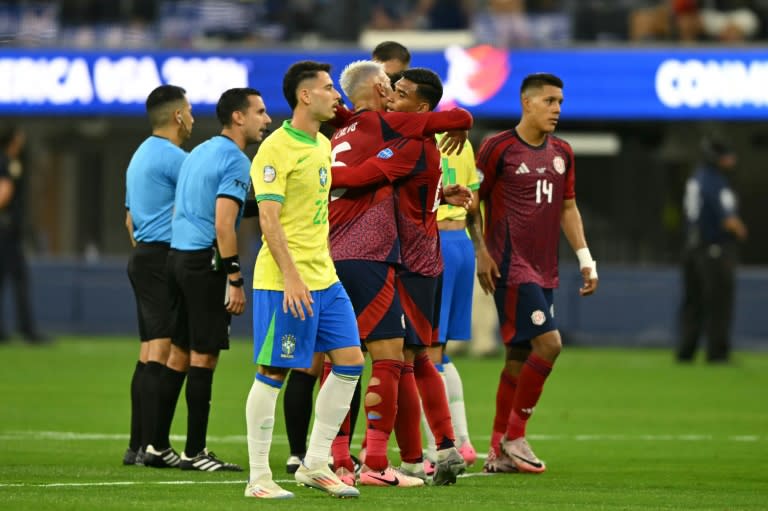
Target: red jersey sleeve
[
  {"x": 569, "y": 188},
  {"x": 487, "y": 162}
]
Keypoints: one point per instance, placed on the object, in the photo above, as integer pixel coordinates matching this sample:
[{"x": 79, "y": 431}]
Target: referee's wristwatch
[{"x": 237, "y": 283}]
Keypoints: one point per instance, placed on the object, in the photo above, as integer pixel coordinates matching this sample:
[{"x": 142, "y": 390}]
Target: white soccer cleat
[
  {"x": 522, "y": 455},
  {"x": 324, "y": 479},
  {"x": 266, "y": 489},
  {"x": 388, "y": 477},
  {"x": 499, "y": 464},
  {"x": 449, "y": 466}
]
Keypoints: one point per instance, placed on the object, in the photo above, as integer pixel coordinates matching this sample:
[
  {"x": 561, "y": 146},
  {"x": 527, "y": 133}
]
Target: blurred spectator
[
  {"x": 694, "y": 21},
  {"x": 729, "y": 20},
  {"x": 420, "y": 14},
  {"x": 509, "y": 23}
]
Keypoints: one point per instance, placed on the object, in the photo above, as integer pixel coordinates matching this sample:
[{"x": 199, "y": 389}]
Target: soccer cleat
[
  {"x": 266, "y": 489},
  {"x": 521, "y": 454},
  {"x": 499, "y": 464},
  {"x": 206, "y": 461},
  {"x": 292, "y": 464},
  {"x": 140, "y": 457},
  {"x": 324, "y": 479},
  {"x": 167, "y": 458},
  {"x": 346, "y": 476},
  {"x": 429, "y": 468},
  {"x": 129, "y": 458},
  {"x": 449, "y": 465},
  {"x": 468, "y": 452},
  {"x": 388, "y": 477},
  {"x": 413, "y": 470}
]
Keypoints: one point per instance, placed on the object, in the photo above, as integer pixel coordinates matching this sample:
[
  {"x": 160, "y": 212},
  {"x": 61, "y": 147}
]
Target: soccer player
[
  {"x": 456, "y": 299},
  {"x": 206, "y": 282},
  {"x": 367, "y": 270},
  {"x": 393, "y": 56},
  {"x": 149, "y": 194},
  {"x": 299, "y": 305},
  {"x": 529, "y": 194}
]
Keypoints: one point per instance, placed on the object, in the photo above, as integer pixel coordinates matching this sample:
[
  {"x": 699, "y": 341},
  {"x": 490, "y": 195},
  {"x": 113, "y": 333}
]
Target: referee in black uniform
[
  {"x": 149, "y": 200},
  {"x": 710, "y": 258}
]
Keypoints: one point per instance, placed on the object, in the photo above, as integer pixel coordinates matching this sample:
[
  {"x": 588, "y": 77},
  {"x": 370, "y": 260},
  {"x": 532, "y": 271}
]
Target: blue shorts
[
  {"x": 280, "y": 340},
  {"x": 420, "y": 297},
  {"x": 458, "y": 282},
  {"x": 526, "y": 311},
  {"x": 375, "y": 298}
]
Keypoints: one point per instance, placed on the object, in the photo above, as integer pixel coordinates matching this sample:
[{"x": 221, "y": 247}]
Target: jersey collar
[{"x": 297, "y": 134}]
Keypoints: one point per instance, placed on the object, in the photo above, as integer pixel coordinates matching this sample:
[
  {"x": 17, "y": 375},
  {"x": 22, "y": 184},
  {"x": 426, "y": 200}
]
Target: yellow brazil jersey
[
  {"x": 294, "y": 169},
  {"x": 458, "y": 169}
]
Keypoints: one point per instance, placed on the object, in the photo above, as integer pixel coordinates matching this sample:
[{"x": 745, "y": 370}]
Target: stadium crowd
[{"x": 504, "y": 23}]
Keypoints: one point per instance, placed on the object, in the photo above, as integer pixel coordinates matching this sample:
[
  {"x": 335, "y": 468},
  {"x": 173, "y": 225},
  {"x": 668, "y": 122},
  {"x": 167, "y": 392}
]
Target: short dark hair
[
  {"x": 233, "y": 100},
  {"x": 428, "y": 84},
  {"x": 389, "y": 50},
  {"x": 537, "y": 80},
  {"x": 714, "y": 147},
  {"x": 296, "y": 74},
  {"x": 159, "y": 99}
]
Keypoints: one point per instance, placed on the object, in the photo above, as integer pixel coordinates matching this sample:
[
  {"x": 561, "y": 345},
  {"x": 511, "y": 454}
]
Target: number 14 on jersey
[{"x": 543, "y": 188}]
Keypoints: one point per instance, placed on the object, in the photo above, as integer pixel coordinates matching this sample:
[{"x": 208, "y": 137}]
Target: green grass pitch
[{"x": 620, "y": 429}]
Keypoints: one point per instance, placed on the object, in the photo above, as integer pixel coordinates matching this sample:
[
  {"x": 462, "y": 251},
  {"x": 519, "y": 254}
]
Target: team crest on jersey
[
  {"x": 323, "y": 176},
  {"x": 287, "y": 345},
  {"x": 559, "y": 164},
  {"x": 385, "y": 154},
  {"x": 269, "y": 174},
  {"x": 538, "y": 318}
]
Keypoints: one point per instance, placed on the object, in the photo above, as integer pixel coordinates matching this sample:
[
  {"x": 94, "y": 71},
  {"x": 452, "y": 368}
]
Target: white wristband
[{"x": 586, "y": 261}]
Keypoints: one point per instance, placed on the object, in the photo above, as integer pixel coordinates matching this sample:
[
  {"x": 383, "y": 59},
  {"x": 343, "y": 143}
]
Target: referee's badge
[
  {"x": 323, "y": 176},
  {"x": 288, "y": 345},
  {"x": 269, "y": 174}
]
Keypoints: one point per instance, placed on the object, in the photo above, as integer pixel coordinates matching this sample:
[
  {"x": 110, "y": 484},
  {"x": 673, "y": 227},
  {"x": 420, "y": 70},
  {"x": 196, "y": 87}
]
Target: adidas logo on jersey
[{"x": 522, "y": 169}]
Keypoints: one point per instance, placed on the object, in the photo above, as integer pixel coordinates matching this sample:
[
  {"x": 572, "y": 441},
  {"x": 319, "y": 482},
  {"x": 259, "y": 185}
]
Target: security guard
[{"x": 710, "y": 258}]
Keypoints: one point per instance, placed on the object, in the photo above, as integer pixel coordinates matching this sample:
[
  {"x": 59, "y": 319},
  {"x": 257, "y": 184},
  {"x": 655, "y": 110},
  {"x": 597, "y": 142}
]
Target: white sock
[
  {"x": 331, "y": 407},
  {"x": 455, "y": 391},
  {"x": 431, "y": 446},
  {"x": 260, "y": 421}
]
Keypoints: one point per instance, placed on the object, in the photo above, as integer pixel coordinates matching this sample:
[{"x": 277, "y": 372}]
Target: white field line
[
  {"x": 165, "y": 483},
  {"x": 477, "y": 439}
]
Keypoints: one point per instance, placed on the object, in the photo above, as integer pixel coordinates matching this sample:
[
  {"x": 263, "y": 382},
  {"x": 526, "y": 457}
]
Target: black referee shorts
[
  {"x": 148, "y": 273},
  {"x": 197, "y": 291}
]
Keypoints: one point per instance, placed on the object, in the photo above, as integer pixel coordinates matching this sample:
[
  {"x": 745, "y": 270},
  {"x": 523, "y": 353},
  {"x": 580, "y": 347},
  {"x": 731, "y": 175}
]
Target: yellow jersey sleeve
[
  {"x": 458, "y": 169},
  {"x": 269, "y": 172}
]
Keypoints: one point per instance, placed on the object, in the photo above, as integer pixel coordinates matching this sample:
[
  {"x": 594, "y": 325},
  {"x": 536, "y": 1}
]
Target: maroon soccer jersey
[
  {"x": 362, "y": 220},
  {"x": 523, "y": 188},
  {"x": 417, "y": 198}
]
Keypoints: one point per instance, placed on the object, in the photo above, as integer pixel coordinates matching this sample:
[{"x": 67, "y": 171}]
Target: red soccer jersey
[
  {"x": 417, "y": 198},
  {"x": 362, "y": 220},
  {"x": 524, "y": 188}
]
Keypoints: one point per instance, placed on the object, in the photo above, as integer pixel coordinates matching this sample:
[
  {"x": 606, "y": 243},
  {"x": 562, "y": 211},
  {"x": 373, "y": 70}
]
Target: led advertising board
[{"x": 619, "y": 84}]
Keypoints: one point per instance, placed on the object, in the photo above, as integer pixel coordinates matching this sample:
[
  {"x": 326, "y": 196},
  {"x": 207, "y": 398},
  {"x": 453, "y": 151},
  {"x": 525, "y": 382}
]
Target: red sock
[
  {"x": 505, "y": 396},
  {"x": 434, "y": 400},
  {"x": 530, "y": 383},
  {"x": 385, "y": 377},
  {"x": 408, "y": 421}
]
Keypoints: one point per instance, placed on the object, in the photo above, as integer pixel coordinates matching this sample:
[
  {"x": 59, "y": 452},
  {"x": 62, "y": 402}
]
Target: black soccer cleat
[
  {"x": 167, "y": 458},
  {"x": 206, "y": 461}
]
